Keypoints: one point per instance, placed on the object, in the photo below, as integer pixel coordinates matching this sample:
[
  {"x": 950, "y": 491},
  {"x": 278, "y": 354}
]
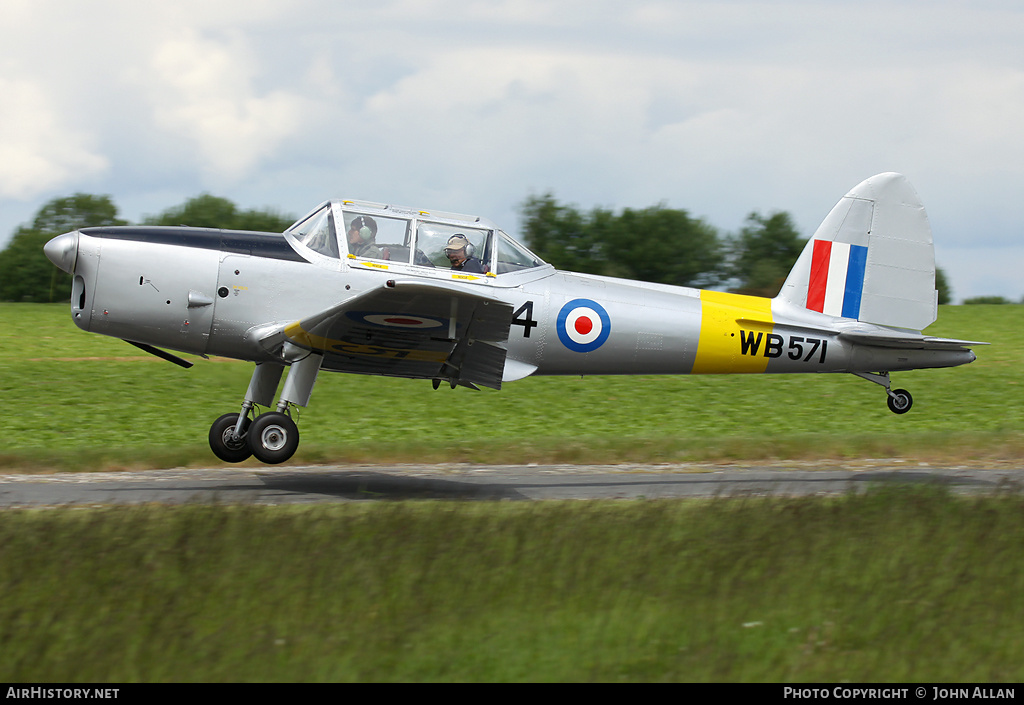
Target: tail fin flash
[{"x": 871, "y": 259}]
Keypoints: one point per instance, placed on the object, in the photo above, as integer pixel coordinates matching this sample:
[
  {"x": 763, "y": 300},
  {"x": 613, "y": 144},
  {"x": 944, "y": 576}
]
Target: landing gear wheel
[
  {"x": 223, "y": 443},
  {"x": 273, "y": 437},
  {"x": 900, "y": 401}
]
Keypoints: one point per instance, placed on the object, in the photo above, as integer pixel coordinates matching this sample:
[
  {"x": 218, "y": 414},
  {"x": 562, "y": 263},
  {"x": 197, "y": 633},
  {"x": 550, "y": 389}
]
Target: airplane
[{"x": 377, "y": 289}]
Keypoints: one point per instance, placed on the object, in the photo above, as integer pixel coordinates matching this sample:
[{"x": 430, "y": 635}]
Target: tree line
[
  {"x": 670, "y": 246},
  {"x": 655, "y": 244},
  {"x": 26, "y": 274}
]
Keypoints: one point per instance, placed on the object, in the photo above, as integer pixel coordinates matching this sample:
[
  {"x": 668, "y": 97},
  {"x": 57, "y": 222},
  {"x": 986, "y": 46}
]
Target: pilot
[
  {"x": 361, "y": 232},
  {"x": 457, "y": 251}
]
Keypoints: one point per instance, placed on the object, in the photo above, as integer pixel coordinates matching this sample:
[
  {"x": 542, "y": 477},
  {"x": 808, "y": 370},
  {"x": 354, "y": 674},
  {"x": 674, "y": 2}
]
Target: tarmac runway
[{"x": 348, "y": 483}]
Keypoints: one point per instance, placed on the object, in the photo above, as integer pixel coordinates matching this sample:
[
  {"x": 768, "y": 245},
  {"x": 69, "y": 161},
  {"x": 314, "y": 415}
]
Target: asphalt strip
[{"x": 346, "y": 483}]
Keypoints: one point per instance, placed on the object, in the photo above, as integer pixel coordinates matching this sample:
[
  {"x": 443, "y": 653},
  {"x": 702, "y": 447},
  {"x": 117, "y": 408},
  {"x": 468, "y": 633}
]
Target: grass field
[
  {"x": 896, "y": 585},
  {"x": 81, "y": 401}
]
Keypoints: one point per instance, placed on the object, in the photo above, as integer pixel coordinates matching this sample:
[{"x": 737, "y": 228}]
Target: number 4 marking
[{"x": 527, "y": 323}]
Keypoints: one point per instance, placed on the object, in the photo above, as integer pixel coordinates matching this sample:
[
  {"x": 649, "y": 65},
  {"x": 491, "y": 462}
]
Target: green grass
[
  {"x": 81, "y": 401},
  {"x": 896, "y": 585}
]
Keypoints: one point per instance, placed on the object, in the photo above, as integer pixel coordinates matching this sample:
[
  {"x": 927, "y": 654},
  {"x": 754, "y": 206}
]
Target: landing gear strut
[
  {"x": 899, "y": 400},
  {"x": 272, "y": 437}
]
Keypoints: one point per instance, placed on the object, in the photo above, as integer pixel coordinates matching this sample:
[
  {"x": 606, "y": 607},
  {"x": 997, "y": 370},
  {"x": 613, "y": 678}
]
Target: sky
[{"x": 720, "y": 108}]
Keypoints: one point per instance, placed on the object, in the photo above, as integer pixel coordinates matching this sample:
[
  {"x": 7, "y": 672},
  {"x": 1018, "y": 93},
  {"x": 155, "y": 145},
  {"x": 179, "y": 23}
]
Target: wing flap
[
  {"x": 415, "y": 329},
  {"x": 516, "y": 370}
]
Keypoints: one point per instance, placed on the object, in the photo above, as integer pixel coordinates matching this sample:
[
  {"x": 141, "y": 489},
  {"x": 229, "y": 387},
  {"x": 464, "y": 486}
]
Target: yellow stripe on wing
[{"x": 300, "y": 337}]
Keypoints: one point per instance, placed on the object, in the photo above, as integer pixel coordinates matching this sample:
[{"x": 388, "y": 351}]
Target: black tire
[
  {"x": 223, "y": 445},
  {"x": 273, "y": 437},
  {"x": 900, "y": 401}
]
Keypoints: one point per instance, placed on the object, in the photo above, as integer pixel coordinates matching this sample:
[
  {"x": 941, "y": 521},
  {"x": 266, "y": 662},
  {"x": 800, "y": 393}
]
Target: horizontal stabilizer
[{"x": 907, "y": 340}]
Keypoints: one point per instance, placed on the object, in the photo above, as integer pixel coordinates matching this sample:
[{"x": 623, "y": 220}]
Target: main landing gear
[
  {"x": 271, "y": 437},
  {"x": 899, "y": 400}
]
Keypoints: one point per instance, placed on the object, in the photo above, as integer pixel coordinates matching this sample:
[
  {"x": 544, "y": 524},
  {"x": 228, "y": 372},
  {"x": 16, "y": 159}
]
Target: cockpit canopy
[{"x": 378, "y": 233}]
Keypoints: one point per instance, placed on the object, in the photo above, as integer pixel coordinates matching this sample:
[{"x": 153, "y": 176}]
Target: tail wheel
[
  {"x": 273, "y": 437},
  {"x": 223, "y": 442},
  {"x": 900, "y": 401}
]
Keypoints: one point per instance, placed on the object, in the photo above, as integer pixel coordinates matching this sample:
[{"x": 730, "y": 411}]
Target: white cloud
[
  {"x": 40, "y": 148},
  {"x": 717, "y": 107},
  {"x": 202, "y": 92}
]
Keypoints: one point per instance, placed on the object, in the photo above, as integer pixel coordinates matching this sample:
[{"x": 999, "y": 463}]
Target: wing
[{"x": 415, "y": 329}]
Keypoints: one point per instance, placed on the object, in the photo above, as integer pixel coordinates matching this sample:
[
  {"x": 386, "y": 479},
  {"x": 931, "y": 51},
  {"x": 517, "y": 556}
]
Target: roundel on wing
[
  {"x": 583, "y": 325},
  {"x": 396, "y": 320}
]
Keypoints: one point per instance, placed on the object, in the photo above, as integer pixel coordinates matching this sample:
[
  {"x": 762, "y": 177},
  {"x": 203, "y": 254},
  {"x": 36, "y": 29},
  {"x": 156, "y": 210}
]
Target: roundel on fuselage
[{"x": 583, "y": 325}]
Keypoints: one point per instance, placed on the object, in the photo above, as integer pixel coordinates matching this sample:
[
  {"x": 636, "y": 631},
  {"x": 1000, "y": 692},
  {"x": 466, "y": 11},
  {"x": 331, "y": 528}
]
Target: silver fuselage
[{"x": 205, "y": 292}]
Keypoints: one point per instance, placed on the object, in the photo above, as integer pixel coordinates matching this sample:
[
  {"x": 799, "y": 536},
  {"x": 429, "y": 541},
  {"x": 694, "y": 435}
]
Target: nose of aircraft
[{"x": 63, "y": 251}]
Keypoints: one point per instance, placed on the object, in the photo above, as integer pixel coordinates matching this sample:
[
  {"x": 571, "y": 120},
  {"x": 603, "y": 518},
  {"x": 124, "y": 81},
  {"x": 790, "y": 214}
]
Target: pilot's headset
[
  {"x": 365, "y": 226},
  {"x": 459, "y": 241}
]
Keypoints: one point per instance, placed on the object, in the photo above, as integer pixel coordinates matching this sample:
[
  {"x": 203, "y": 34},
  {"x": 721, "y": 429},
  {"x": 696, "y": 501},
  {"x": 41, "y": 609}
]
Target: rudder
[{"x": 871, "y": 259}]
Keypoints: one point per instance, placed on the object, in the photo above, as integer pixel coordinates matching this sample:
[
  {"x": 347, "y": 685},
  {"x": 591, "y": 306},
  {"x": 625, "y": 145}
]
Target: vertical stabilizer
[{"x": 871, "y": 259}]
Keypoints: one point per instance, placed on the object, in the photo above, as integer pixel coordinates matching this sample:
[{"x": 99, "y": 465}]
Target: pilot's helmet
[
  {"x": 365, "y": 226},
  {"x": 458, "y": 242}
]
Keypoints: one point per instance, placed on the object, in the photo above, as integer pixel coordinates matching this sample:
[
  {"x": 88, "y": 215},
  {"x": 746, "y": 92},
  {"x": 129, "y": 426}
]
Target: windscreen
[
  {"x": 318, "y": 233},
  {"x": 513, "y": 257}
]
